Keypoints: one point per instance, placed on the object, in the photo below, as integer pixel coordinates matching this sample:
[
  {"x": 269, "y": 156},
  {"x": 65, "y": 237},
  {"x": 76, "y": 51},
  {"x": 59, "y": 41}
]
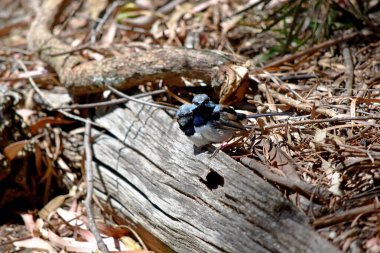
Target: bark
[{"x": 82, "y": 77}]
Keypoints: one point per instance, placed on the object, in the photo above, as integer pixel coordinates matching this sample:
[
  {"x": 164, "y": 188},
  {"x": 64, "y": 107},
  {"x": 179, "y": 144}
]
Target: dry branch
[
  {"x": 90, "y": 190},
  {"x": 303, "y": 188},
  {"x": 345, "y": 215},
  {"x": 315, "y": 49},
  {"x": 81, "y": 77},
  {"x": 296, "y": 104}
]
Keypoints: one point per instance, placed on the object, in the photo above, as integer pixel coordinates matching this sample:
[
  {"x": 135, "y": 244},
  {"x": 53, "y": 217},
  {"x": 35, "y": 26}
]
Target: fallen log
[{"x": 145, "y": 170}]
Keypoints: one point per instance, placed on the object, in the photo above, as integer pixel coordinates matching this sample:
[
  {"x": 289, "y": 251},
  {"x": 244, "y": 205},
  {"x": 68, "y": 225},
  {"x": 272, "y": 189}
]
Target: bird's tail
[
  {"x": 255, "y": 116},
  {"x": 259, "y": 115}
]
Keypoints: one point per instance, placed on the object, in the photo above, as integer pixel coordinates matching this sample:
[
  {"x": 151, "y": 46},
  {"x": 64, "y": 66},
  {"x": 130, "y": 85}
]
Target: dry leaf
[
  {"x": 12, "y": 150},
  {"x": 320, "y": 135},
  {"x": 279, "y": 158},
  {"x": 111, "y": 231},
  {"x": 130, "y": 243},
  {"x": 335, "y": 182},
  {"x": 71, "y": 218},
  {"x": 87, "y": 235},
  {"x": 95, "y": 7},
  {"x": 35, "y": 243},
  {"x": 52, "y": 206},
  {"x": 26, "y": 114},
  {"x": 28, "y": 221},
  {"x": 70, "y": 244},
  {"x": 42, "y": 122},
  {"x": 231, "y": 82}
]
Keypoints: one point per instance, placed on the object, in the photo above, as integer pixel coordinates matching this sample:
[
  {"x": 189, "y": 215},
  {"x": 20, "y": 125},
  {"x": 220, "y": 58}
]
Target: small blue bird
[
  {"x": 216, "y": 123},
  {"x": 205, "y": 122}
]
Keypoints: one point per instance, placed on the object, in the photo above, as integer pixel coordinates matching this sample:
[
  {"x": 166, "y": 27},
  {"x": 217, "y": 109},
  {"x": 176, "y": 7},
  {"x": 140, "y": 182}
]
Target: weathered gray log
[{"x": 147, "y": 172}]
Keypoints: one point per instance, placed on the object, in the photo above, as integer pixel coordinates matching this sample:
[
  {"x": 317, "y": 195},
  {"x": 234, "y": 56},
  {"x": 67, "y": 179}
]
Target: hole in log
[{"x": 213, "y": 180}]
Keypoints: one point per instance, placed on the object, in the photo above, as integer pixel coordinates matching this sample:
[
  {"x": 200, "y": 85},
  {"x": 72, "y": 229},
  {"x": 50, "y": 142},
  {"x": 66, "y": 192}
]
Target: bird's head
[
  {"x": 200, "y": 99},
  {"x": 184, "y": 115}
]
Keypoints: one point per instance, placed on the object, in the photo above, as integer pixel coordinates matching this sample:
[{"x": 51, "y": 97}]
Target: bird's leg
[
  {"x": 225, "y": 146},
  {"x": 228, "y": 145},
  {"x": 216, "y": 150}
]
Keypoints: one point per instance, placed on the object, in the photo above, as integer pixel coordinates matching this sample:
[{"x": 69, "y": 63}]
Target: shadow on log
[{"x": 146, "y": 171}]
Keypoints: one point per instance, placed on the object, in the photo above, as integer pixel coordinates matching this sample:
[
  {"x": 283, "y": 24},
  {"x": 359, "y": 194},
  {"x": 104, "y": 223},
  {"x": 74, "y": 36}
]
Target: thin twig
[
  {"x": 15, "y": 240},
  {"x": 295, "y": 22},
  {"x": 90, "y": 189},
  {"x": 143, "y": 246},
  {"x": 112, "y": 102},
  {"x": 183, "y": 101},
  {"x": 361, "y": 93},
  {"x": 370, "y": 46},
  {"x": 6, "y": 50},
  {"x": 297, "y": 77},
  {"x": 11, "y": 79},
  {"x": 313, "y": 49},
  {"x": 9, "y": 26},
  {"x": 346, "y": 108},
  {"x": 345, "y": 216},
  {"x": 316, "y": 121},
  {"x": 80, "y": 48},
  {"x": 68, "y": 19},
  {"x": 49, "y": 103},
  {"x": 297, "y": 185},
  {"x": 247, "y": 7},
  {"x": 371, "y": 155},
  {"x": 138, "y": 100},
  {"x": 294, "y": 103},
  {"x": 146, "y": 21},
  {"x": 104, "y": 19},
  {"x": 349, "y": 70},
  {"x": 359, "y": 134},
  {"x": 118, "y": 26}
]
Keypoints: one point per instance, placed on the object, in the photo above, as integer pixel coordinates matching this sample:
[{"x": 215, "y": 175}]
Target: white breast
[
  {"x": 214, "y": 135},
  {"x": 199, "y": 140}
]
